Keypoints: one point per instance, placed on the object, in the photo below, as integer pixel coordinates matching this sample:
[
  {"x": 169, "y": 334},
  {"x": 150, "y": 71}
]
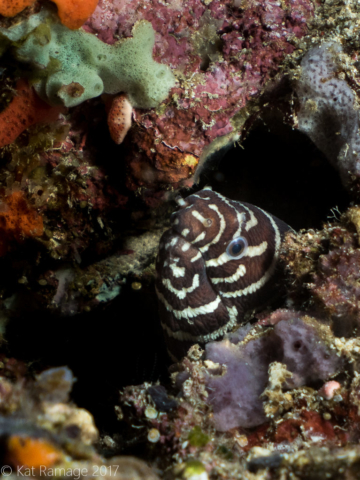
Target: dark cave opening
[{"x": 280, "y": 170}]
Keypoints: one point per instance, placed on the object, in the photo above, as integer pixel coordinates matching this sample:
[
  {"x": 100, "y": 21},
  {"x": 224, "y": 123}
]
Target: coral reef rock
[
  {"x": 323, "y": 270},
  {"x": 223, "y": 53}
]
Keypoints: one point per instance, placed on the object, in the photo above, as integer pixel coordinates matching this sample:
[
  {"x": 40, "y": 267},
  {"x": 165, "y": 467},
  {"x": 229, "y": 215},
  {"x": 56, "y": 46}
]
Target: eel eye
[
  {"x": 208, "y": 222},
  {"x": 237, "y": 248}
]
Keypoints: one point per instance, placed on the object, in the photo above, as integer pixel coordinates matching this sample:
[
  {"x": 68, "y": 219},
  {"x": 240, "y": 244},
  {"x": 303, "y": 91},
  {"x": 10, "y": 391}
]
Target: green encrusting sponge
[{"x": 71, "y": 66}]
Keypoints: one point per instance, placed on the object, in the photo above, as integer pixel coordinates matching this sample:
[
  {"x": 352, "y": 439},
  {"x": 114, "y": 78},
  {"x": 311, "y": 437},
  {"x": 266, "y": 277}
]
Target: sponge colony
[
  {"x": 328, "y": 112},
  {"x": 73, "y": 66},
  {"x": 301, "y": 343}
]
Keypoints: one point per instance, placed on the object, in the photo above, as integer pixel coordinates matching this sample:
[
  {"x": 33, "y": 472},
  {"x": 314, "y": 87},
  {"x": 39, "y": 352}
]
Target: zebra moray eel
[{"x": 216, "y": 262}]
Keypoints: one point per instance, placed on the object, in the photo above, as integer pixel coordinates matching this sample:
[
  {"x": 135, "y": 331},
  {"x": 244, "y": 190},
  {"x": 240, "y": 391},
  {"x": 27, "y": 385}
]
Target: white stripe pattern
[
  {"x": 199, "y": 217},
  {"x": 240, "y": 216},
  {"x": 202, "y": 198},
  {"x": 172, "y": 242},
  {"x": 240, "y": 272},
  {"x": 199, "y": 237},
  {"x": 190, "y": 312},
  {"x": 197, "y": 257},
  {"x": 205, "y": 248},
  {"x": 181, "y": 294},
  {"x": 241, "y": 219},
  {"x": 185, "y": 247},
  {"x": 196, "y": 301},
  {"x": 217, "y": 262},
  {"x": 256, "y": 285},
  {"x": 177, "y": 272},
  {"x": 185, "y": 336},
  {"x": 256, "y": 250},
  {"x": 253, "y": 220}
]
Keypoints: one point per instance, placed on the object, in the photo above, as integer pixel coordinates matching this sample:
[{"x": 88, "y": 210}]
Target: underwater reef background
[{"x": 108, "y": 111}]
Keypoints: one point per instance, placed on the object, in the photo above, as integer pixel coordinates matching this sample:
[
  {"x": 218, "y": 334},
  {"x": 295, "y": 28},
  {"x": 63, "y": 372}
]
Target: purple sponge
[
  {"x": 328, "y": 111},
  {"x": 301, "y": 343}
]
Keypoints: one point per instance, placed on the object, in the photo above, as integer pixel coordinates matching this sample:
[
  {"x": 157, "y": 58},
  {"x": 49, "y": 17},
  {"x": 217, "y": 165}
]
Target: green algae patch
[
  {"x": 224, "y": 452},
  {"x": 193, "y": 468},
  {"x": 198, "y": 438}
]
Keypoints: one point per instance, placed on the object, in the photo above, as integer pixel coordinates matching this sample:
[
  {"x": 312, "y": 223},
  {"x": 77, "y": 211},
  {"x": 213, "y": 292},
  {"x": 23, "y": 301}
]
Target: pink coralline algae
[{"x": 222, "y": 56}]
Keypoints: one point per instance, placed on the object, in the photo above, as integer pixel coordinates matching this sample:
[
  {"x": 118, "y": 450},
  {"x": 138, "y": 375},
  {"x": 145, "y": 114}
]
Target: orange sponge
[
  {"x": 25, "y": 109},
  {"x": 9, "y": 8},
  {"x": 72, "y": 13},
  {"x": 18, "y": 220},
  {"x": 31, "y": 452}
]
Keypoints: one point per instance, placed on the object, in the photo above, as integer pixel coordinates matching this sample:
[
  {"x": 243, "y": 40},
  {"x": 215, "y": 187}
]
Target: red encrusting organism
[
  {"x": 18, "y": 220},
  {"x": 25, "y": 109}
]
